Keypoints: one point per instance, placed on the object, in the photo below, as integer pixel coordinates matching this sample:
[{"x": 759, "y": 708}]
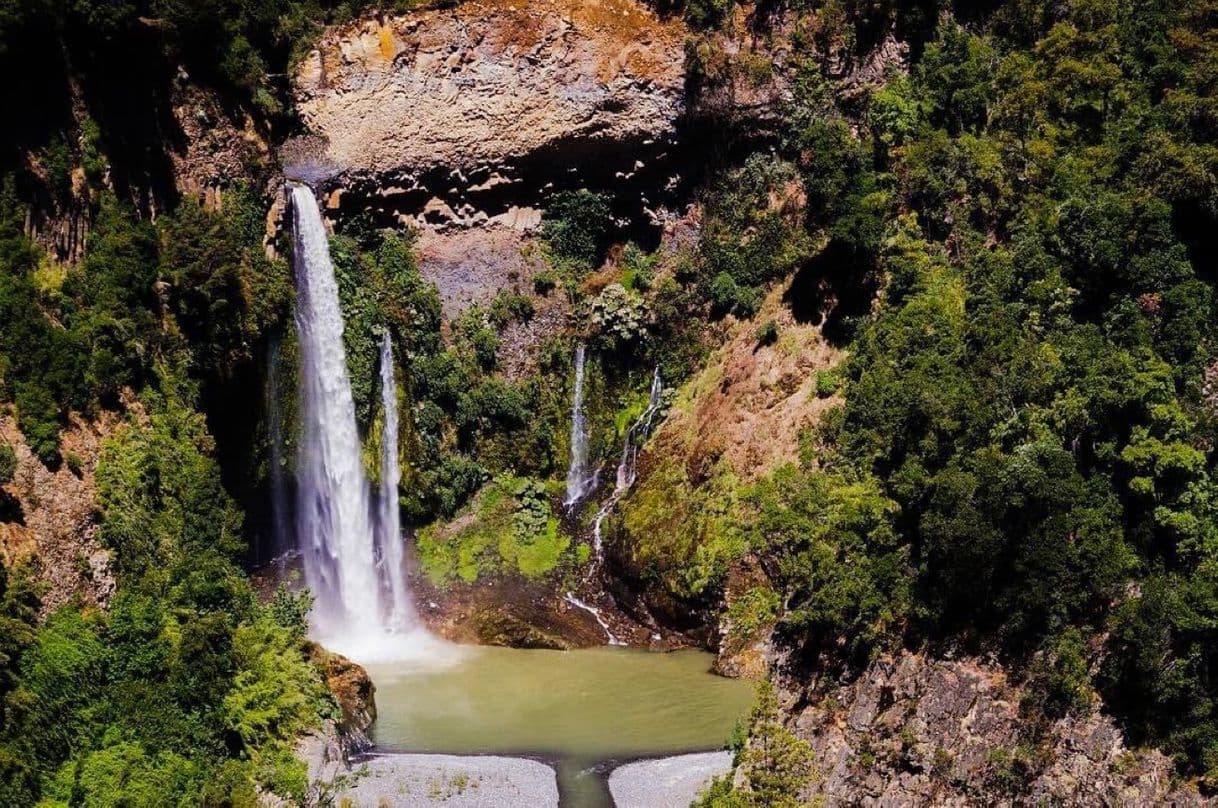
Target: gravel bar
[
  {"x": 455, "y": 781},
  {"x": 671, "y": 782}
]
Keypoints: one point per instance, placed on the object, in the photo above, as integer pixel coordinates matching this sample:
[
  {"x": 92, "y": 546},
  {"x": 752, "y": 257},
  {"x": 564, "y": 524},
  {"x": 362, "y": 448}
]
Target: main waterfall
[{"x": 333, "y": 519}]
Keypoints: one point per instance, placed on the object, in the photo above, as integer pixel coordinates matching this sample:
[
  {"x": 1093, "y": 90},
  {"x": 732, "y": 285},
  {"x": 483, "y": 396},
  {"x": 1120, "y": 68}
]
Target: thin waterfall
[
  {"x": 578, "y": 479},
  {"x": 596, "y": 615},
  {"x": 334, "y": 526},
  {"x": 279, "y": 494},
  {"x": 627, "y": 472},
  {"x": 627, "y": 467},
  {"x": 637, "y": 435},
  {"x": 402, "y": 612}
]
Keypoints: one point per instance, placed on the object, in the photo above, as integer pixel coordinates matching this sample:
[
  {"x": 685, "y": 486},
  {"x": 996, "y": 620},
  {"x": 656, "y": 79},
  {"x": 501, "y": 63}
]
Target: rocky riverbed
[{"x": 488, "y": 781}]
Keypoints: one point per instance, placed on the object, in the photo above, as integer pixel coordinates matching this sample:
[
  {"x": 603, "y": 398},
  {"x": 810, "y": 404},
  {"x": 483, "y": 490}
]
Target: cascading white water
[
  {"x": 334, "y": 529},
  {"x": 280, "y": 513},
  {"x": 627, "y": 470},
  {"x": 360, "y": 610},
  {"x": 636, "y": 436},
  {"x": 402, "y": 611},
  {"x": 596, "y": 615},
  {"x": 579, "y": 482}
]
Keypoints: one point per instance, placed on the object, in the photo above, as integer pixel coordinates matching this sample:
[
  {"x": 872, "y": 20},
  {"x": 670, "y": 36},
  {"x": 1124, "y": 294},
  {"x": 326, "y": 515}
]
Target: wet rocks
[
  {"x": 328, "y": 751},
  {"x": 498, "y": 628}
]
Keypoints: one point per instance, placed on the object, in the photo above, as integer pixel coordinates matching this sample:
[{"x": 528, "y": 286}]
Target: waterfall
[
  {"x": 334, "y": 529},
  {"x": 596, "y": 615},
  {"x": 402, "y": 612},
  {"x": 279, "y": 494},
  {"x": 637, "y": 435},
  {"x": 578, "y": 480},
  {"x": 627, "y": 470}
]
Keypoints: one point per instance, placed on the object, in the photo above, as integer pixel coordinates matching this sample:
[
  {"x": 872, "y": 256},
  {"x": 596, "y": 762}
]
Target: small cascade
[
  {"x": 596, "y": 613},
  {"x": 280, "y": 514},
  {"x": 334, "y": 528},
  {"x": 579, "y": 482},
  {"x": 401, "y": 613},
  {"x": 627, "y": 467},
  {"x": 637, "y": 435},
  {"x": 627, "y": 472}
]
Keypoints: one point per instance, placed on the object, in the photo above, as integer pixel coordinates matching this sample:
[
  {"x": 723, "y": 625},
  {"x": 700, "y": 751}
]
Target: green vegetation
[
  {"x": 752, "y": 235},
  {"x": 76, "y": 344},
  {"x": 184, "y": 691},
  {"x": 576, "y": 225},
  {"x": 509, "y": 527},
  {"x": 1013, "y": 241},
  {"x": 775, "y": 764},
  {"x": 1023, "y": 463},
  {"x": 683, "y": 535},
  {"x": 8, "y": 464}
]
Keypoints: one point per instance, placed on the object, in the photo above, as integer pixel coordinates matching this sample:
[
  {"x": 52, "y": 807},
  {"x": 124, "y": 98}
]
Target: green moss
[
  {"x": 682, "y": 533},
  {"x": 509, "y": 528},
  {"x": 752, "y": 611}
]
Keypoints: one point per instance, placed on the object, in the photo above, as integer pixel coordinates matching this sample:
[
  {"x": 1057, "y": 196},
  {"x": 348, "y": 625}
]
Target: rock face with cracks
[
  {"x": 488, "y": 82},
  {"x": 913, "y": 730},
  {"x": 468, "y": 116}
]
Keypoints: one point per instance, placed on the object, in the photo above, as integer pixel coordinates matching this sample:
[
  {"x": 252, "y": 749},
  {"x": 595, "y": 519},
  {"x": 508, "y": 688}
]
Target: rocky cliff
[
  {"x": 465, "y": 116},
  {"x": 915, "y": 730},
  {"x": 48, "y": 516}
]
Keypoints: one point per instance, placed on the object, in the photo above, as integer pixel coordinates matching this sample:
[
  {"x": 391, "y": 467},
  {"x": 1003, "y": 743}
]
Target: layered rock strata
[{"x": 470, "y": 116}]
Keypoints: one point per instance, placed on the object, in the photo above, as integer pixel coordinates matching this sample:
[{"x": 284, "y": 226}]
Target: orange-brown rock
[
  {"x": 489, "y": 81},
  {"x": 48, "y": 516}
]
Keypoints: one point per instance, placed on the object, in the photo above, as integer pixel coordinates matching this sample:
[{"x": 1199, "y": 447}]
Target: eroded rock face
[
  {"x": 459, "y": 116},
  {"x": 912, "y": 730},
  {"x": 49, "y": 516}
]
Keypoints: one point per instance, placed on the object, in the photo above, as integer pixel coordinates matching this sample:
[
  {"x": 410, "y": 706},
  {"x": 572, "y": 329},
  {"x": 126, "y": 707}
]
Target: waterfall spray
[{"x": 402, "y": 611}]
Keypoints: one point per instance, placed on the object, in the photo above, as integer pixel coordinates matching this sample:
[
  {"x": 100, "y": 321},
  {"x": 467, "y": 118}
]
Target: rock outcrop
[
  {"x": 467, "y": 116},
  {"x": 49, "y": 516},
  {"x": 912, "y": 730},
  {"x": 328, "y": 751}
]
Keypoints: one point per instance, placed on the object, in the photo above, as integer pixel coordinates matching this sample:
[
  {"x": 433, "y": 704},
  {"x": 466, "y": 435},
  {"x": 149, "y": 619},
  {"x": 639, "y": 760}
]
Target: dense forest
[{"x": 1012, "y": 241}]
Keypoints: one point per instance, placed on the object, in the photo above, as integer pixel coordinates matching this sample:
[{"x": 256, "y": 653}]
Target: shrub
[
  {"x": 38, "y": 419},
  {"x": 620, "y": 317},
  {"x": 767, "y": 333},
  {"x": 8, "y": 463},
  {"x": 576, "y": 224},
  {"x": 828, "y": 382},
  {"x": 74, "y": 463},
  {"x": 707, "y": 13}
]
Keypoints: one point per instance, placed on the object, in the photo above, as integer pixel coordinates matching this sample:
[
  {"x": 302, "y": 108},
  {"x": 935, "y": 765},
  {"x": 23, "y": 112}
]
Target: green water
[{"x": 580, "y": 709}]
